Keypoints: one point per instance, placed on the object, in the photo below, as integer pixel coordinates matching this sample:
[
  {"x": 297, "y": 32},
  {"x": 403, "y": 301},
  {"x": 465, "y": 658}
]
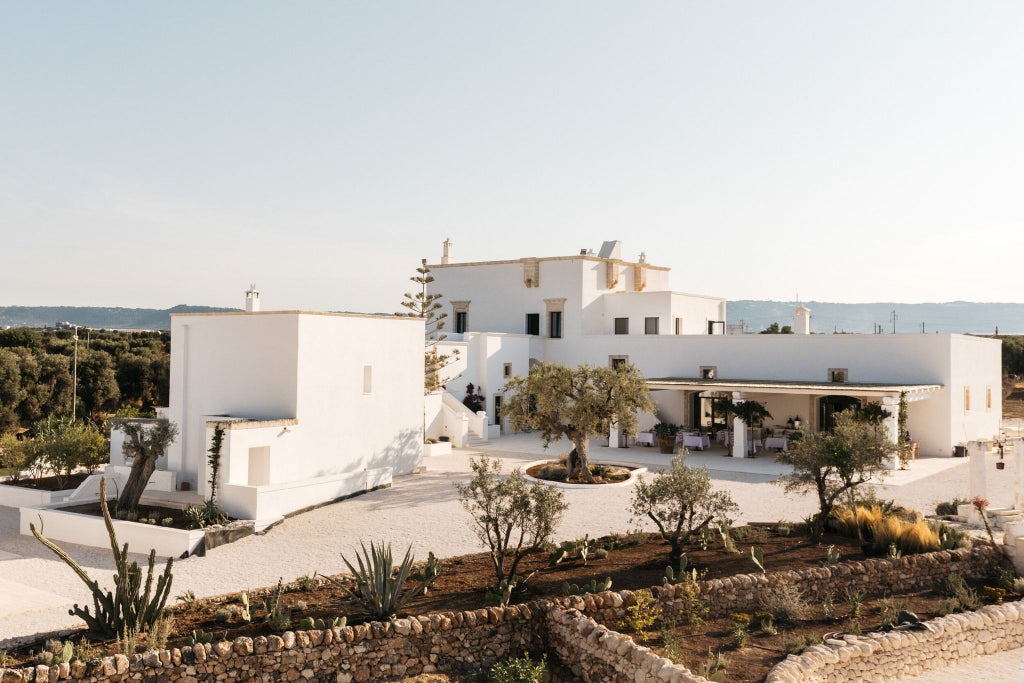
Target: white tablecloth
[
  {"x": 645, "y": 439},
  {"x": 698, "y": 441},
  {"x": 777, "y": 442}
]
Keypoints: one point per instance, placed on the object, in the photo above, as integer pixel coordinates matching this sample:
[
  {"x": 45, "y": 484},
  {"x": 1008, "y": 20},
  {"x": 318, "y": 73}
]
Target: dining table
[{"x": 779, "y": 442}]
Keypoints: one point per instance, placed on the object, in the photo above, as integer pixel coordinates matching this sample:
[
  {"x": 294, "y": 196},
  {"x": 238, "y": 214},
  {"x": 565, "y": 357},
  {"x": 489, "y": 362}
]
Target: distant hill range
[
  {"x": 953, "y": 316},
  {"x": 97, "y": 317}
]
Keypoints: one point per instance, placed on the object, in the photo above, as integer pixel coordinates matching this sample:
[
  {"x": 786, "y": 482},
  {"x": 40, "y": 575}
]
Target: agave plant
[{"x": 379, "y": 585}]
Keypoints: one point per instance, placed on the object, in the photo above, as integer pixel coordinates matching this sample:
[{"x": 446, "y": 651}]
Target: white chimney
[
  {"x": 252, "y": 300},
  {"x": 802, "y": 320},
  {"x": 447, "y": 255}
]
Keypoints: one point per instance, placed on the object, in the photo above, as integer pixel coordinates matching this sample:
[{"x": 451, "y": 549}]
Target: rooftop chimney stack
[
  {"x": 446, "y": 257},
  {"x": 252, "y": 300},
  {"x": 802, "y": 320}
]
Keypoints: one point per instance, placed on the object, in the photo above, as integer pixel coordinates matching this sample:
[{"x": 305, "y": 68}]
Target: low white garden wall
[
  {"x": 273, "y": 501},
  {"x": 19, "y": 496},
  {"x": 72, "y": 527}
]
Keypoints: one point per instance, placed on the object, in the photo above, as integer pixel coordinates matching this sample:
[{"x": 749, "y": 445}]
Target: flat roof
[
  {"x": 789, "y": 386},
  {"x": 578, "y": 257},
  {"x": 210, "y": 314}
]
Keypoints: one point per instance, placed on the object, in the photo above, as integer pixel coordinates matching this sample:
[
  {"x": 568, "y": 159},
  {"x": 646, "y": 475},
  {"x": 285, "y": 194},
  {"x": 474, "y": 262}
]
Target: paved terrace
[{"x": 36, "y": 589}]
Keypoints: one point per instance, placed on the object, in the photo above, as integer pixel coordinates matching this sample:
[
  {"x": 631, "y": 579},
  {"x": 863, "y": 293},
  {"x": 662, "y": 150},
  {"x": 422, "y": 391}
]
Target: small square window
[
  {"x": 533, "y": 323},
  {"x": 651, "y": 325},
  {"x": 508, "y": 370},
  {"x": 708, "y": 372},
  {"x": 616, "y": 362},
  {"x": 622, "y": 326}
]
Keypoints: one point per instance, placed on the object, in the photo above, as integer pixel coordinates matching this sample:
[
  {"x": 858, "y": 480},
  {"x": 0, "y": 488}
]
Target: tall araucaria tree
[
  {"x": 427, "y": 305},
  {"x": 576, "y": 403},
  {"x": 144, "y": 444}
]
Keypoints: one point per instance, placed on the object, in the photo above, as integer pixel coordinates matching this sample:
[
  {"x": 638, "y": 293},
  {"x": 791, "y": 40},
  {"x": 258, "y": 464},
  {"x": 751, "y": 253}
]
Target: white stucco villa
[{"x": 602, "y": 309}]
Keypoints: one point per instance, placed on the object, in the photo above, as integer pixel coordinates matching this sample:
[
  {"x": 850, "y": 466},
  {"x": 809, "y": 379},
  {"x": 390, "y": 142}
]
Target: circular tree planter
[{"x": 634, "y": 473}]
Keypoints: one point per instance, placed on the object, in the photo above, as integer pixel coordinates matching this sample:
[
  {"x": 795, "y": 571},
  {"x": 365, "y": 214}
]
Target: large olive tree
[
  {"x": 144, "y": 444},
  {"x": 576, "y": 403}
]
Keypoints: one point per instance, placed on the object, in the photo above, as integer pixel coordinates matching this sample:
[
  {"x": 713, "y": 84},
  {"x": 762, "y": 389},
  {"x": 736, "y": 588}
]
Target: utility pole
[
  {"x": 922, "y": 328},
  {"x": 74, "y": 382},
  {"x": 894, "y": 318}
]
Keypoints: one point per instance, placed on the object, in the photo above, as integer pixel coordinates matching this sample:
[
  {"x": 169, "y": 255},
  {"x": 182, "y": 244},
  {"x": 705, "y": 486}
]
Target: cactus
[
  {"x": 556, "y": 556},
  {"x": 275, "y": 614},
  {"x": 592, "y": 587},
  {"x": 245, "y": 613},
  {"x": 126, "y": 610},
  {"x": 428, "y": 575},
  {"x": 757, "y": 555},
  {"x": 311, "y": 624},
  {"x": 200, "y": 636},
  {"x": 683, "y": 575}
]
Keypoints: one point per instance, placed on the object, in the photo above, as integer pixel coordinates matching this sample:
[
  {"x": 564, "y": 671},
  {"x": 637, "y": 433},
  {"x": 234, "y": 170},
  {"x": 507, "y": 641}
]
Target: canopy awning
[{"x": 771, "y": 386}]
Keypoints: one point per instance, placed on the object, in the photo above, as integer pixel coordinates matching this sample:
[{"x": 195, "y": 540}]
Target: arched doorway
[{"x": 828, "y": 406}]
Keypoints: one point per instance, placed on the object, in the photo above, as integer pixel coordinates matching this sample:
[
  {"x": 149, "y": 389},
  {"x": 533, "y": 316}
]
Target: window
[
  {"x": 837, "y": 374},
  {"x": 967, "y": 399},
  {"x": 988, "y": 398},
  {"x": 533, "y": 323},
  {"x": 555, "y": 325},
  {"x": 367, "y": 379},
  {"x": 679, "y": 325},
  {"x": 555, "y": 308},
  {"x": 650, "y": 325},
  {"x": 616, "y": 362},
  {"x": 461, "y": 311},
  {"x": 708, "y": 372},
  {"x": 622, "y": 326},
  {"x": 508, "y": 370}
]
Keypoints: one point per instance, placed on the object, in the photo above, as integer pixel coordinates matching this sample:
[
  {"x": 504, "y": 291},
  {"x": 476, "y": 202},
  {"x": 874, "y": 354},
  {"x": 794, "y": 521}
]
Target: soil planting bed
[
  {"x": 603, "y": 474},
  {"x": 635, "y": 561},
  {"x": 176, "y": 516},
  {"x": 48, "y": 483}
]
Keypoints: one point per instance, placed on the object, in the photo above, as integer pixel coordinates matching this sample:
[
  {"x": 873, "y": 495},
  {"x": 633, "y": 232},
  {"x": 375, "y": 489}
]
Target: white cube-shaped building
[{"x": 314, "y": 406}]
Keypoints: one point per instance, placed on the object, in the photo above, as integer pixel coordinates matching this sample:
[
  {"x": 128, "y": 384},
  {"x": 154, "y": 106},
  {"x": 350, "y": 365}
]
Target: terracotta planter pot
[{"x": 667, "y": 444}]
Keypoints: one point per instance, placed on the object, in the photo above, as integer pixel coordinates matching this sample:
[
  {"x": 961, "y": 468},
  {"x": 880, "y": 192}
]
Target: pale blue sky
[{"x": 156, "y": 153}]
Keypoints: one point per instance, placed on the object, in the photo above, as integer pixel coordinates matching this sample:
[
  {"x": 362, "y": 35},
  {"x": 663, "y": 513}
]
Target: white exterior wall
[
  {"x": 297, "y": 366},
  {"x": 980, "y": 371},
  {"x": 895, "y": 359},
  {"x": 695, "y": 311},
  {"x": 243, "y": 365}
]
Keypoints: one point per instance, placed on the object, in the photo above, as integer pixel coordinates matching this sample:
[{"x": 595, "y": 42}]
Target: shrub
[
  {"x": 795, "y": 646},
  {"x": 908, "y": 537},
  {"x": 379, "y": 585},
  {"x": 959, "y": 596},
  {"x": 889, "y": 608},
  {"x": 509, "y": 516},
  {"x": 519, "y": 670},
  {"x": 949, "y": 508},
  {"x": 680, "y": 502},
  {"x": 786, "y": 603},
  {"x": 642, "y": 614},
  {"x": 846, "y": 520}
]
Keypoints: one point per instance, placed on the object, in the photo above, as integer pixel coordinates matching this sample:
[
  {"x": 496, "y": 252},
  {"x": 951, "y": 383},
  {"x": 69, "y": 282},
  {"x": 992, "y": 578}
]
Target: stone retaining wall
[
  {"x": 446, "y": 642},
  {"x": 740, "y": 593},
  {"x": 595, "y": 653},
  {"x": 454, "y": 642},
  {"x": 885, "y": 656}
]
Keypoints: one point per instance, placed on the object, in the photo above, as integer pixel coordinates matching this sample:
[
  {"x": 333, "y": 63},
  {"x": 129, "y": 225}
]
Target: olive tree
[
  {"x": 680, "y": 502},
  {"x": 576, "y": 403},
  {"x": 834, "y": 464},
  {"x": 144, "y": 444},
  {"x": 510, "y": 516}
]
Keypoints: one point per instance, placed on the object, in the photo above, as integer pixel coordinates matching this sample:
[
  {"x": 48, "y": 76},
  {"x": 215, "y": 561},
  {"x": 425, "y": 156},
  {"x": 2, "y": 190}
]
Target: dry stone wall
[
  {"x": 597, "y": 654},
  {"x": 579, "y": 629},
  {"x": 885, "y": 656}
]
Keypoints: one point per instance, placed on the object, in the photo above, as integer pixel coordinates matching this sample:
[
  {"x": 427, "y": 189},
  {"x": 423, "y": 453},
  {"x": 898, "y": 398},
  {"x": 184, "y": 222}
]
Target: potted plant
[{"x": 666, "y": 433}]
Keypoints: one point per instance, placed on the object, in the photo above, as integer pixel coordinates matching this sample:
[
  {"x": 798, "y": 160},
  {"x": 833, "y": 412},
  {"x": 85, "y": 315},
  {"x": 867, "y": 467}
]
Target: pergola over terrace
[{"x": 817, "y": 400}]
